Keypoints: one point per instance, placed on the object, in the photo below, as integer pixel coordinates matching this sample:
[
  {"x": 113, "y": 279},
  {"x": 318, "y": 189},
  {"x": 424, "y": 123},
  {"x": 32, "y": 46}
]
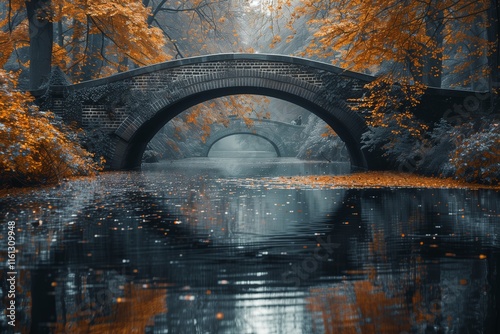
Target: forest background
[{"x": 408, "y": 45}]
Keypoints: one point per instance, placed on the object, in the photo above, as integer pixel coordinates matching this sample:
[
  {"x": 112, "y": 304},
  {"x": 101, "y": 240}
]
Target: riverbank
[
  {"x": 358, "y": 180},
  {"x": 384, "y": 179}
]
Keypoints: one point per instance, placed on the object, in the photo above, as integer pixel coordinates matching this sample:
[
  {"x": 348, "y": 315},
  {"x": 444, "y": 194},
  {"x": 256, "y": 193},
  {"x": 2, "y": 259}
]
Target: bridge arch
[
  {"x": 349, "y": 130},
  {"x": 175, "y": 86},
  {"x": 278, "y": 147},
  {"x": 270, "y": 130}
]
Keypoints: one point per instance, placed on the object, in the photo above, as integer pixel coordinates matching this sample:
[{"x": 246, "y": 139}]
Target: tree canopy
[
  {"x": 33, "y": 149},
  {"x": 90, "y": 39},
  {"x": 86, "y": 40},
  {"x": 417, "y": 41}
]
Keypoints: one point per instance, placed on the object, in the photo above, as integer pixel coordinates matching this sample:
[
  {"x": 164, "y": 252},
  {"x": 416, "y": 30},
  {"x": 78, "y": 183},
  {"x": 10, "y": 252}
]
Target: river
[{"x": 208, "y": 245}]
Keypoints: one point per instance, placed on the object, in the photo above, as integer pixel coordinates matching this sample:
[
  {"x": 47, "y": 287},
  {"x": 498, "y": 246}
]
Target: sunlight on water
[{"x": 190, "y": 246}]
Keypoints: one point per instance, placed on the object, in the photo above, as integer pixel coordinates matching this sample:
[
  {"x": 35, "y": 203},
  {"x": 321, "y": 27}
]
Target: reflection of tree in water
[
  {"x": 86, "y": 237},
  {"x": 425, "y": 269},
  {"x": 388, "y": 259},
  {"x": 130, "y": 309}
]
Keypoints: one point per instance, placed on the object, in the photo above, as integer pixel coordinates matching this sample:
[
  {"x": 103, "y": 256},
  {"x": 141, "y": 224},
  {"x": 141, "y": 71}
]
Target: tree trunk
[
  {"x": 41, "y": 39},
  {"x": 493, "y": 36},
  {"x": 76, "y": 51},
  {"x": 60, "y": 33},
  {"x": 433, "y": 62},
  {"x": 93, "y": 61}
]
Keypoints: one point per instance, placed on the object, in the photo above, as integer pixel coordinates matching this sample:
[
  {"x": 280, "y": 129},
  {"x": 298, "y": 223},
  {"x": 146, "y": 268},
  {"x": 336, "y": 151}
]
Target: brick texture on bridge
[
  {"x": 131, "y": 107},
  {"x": 161, "y": 80}
]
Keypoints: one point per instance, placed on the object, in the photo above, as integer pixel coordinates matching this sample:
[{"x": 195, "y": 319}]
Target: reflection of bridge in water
[{"x": 362, "y": 227}]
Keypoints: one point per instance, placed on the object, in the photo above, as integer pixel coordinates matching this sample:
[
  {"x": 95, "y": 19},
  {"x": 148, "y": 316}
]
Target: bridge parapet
[{"x": 164, "y": 79}]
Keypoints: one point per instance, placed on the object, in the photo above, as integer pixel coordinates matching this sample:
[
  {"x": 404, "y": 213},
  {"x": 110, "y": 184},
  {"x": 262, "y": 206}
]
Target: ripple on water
[{"x": 188, "y": 247}]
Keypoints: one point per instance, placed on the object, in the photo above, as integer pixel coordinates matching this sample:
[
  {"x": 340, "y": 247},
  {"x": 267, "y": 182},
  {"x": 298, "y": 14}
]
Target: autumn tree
[
  {"x": 33, "y": 149},
  {"x": 92, "y": 37},
  {"x": 405, "y": 39},
  {"x": 197, "y": 27},
  {"x": 95, "y": 40},
  {"x": 194, "y": 126},
  {"x": 34, "y": 146},
  {"x": 204, "y": 27},
  {"x": 408, "y": 45},
  {"x": 405, "y": 42}
]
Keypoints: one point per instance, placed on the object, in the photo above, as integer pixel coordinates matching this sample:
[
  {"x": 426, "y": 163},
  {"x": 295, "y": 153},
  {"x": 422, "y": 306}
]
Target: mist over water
[
  {"x": 208, "y": 245},
  {"x": 248, "y": 166}
]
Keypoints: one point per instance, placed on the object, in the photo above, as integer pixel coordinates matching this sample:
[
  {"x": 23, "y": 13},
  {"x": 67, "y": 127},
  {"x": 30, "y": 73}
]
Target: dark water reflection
[{"x": 188, "y": 247}]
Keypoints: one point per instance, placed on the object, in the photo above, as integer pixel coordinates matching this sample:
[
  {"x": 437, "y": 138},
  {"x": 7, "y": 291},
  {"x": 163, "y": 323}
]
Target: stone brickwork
[
  {"x": 163, "y": 79},
  {"x": 100, "y": 115},
  {"x": 133, "y": 106}
]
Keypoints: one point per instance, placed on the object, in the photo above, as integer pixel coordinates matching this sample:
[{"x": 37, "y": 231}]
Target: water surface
[{"x": 207, "y": 246}]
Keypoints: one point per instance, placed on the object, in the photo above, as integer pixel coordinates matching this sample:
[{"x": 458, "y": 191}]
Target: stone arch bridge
[
  {"x": 131, "y": 107},
  {"x": 282, "y": 136}
]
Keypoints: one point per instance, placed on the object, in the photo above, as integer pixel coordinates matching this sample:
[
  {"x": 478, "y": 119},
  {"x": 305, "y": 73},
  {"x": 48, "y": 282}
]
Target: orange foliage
[
  {"x": 387, "y": 105},
  {"x": 406, "y": 42},
  {"x": 200, "y": 118},
  {"x": 329, "y": 132},
  {"x": 130, "y": 314},
  {"x": 362, "y": 35},
  {"x": 12, "y": 36},
  {"x": 377, "y": 180},
  {"x": 123, "y": 24},
  {"x": 359, "y": 307},
  {"x": 32, "y": 149}
]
